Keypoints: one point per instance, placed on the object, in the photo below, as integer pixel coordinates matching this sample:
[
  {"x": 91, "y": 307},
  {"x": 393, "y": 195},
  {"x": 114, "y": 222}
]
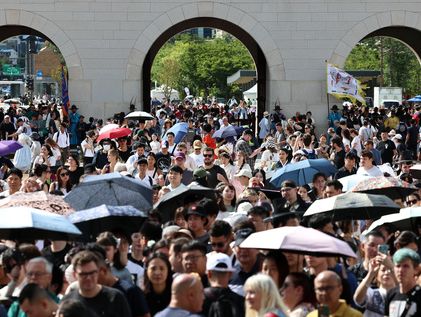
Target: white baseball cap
[{"x": 219, "y": 262}]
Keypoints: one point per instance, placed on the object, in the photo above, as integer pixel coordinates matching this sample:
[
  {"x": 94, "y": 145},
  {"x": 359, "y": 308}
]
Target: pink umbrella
[
  {"x": 298, "y": 240},
  {"x": 114, "y": 134},
  {"x": 389, "y": 186}
]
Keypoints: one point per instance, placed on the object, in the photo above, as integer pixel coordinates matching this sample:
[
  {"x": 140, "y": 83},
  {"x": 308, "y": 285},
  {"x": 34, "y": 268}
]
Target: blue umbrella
[
  {"x": 95, "y": 220},
  {"x": 25, "y": 223},
  {"x": 415, "y": 99},
  {"x": 225, "y": 132},
  {"x": 302, "y": 172},
  {"x": 9, "y": 147},
  {"x": 179, "y": 129}
]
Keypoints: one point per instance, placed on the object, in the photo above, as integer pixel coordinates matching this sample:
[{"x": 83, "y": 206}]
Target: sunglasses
[
  {"x": 411, "y": 202},
  {"x": 64, "y": 174},
  {"x": 207, "y": 155}
]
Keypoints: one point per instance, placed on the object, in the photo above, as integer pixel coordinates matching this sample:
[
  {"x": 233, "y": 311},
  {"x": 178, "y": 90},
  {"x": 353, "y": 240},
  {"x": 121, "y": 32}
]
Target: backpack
[
  {"x": 222, "y": 306},
  {"x": 310, "y": 155}
]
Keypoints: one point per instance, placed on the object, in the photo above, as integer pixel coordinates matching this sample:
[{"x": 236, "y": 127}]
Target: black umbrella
[
  {"x": 111, "y": 189},
  {"x": 179, "y": 197},
  {"x": 93, "y": 221}
]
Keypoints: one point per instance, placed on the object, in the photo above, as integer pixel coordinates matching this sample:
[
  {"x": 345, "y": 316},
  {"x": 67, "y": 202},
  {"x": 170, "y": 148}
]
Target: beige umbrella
[{"x": 38, "y": 200}]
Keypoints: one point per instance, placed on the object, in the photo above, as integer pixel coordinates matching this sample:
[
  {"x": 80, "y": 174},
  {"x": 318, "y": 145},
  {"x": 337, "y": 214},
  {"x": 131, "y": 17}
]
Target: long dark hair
[
  {"x": 281, "y": 264},
  {"x": 301, "y": 279},
  {"x": 147, "y": 283},
  {"x": 59, "y": 181}
]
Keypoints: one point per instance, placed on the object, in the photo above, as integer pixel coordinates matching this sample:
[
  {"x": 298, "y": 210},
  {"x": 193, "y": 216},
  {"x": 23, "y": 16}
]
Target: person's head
[
  {"x": 247, "y": 135},
  {"x": 384, "y": 135},
  {"x": 63, "y": 177},
  {"x": 196, "y": 219},
  {"x": 113, "y": 156},
  {"x": 319, "y": 181},
  {"x": 175, "y": 253},
  {"x": 328, "y": 288},
  {"x": 368, "y": 145},
  {"x": 367, "y": 160},
  {"x": 39, "y": 271},
  {"x": 73, "y": 308},
  {"x": 139, "y": 147},
  {"x": 261, "y": 295},
  {"x": 180, "y": 159},
  {"x": 175, "y": 174},
  {"x": 333, "y": 188},
  {"x": 194, "y": 257},
  {"x": 35, "y": 301},
  {"x": 73, "y": 160},
  {"x": 151, "y": 158},
  {"x": 370, "y": 244},
  {"x": 142, "y": 166},
  {"x": 219, "y": 269},
  {"x": 208, "y": 156},
  {"x": 246, "y": 256},
  {"x": 46, "y": 150},
  {"x": 157, "y": 272},
  {"x": 336, "y": 142},
  {"x": 321, "y": 222},
  {"x": 407, "y": 239},
  {"x": 170, "y": 138},
  {"x": 14, "y": 180},
  {"x": 221, "y": 236},
  {"x": 187, "y": 292},
  {"x": 228, "y": 194},
  {"x": 350, "y": 160},
  {"x": 260, "y": 175},
  {"x": 86, "y": 268},
  {"x": 256, "y": 216},
  {"x": 297, "y": 289},
  {"x": 244, "y": 176},
  {"x": 303, "y": 191},
  {"x": 275, "y": 265},
  {"x": 406, "y": 265},
  {"x": 289, "y": 191},
  {"x": 412, "y": 200}
]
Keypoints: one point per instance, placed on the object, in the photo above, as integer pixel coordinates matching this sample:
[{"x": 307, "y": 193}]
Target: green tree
[
  {"x": 397, "y": 62},
  {"x": 203, "y": 65}
]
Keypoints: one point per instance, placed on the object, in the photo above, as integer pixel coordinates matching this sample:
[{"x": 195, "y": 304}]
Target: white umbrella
[
  {"x": 298, "y": 240},
  {"x": 139, "y": 115},
  {"x": 108, "y": 127},
  {"x": 404, "y": 220},
  {"x": 351, "y": 181},
  {"x": 352, "y": 205}
]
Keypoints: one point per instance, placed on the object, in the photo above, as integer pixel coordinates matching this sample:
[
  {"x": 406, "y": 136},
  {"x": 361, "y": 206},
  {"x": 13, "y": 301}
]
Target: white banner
[{"x": 341, "y": 83}]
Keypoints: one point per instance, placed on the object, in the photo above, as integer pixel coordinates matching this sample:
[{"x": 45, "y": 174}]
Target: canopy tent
[
  {"x": 158, "y": 93},
  {"x": 251, "y": 93}
]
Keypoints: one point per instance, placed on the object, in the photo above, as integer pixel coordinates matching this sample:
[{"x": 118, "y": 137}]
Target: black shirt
[
  {"x": 56, "y": 258},
  {"x": 386, "y": 149},
  {"x": 163, "y": 161},
  {"x": 109, "y": 302},
  {"x": 339, "y": 159},
  {"x": 135, "y": 297},
  {"x": 212, "y": 178},
  {"x": 396, "y": 301},
  {"x": 157, "y": 302}
]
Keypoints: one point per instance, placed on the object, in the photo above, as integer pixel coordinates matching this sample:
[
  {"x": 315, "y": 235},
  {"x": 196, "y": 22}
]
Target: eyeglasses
[
  {"x": 192, "y": 258},
  {"x": 207, "y": 155},
  {"x": 35, "y": 274},
  {"x": 325, "y": 289},
  {"x": 411, "y": 202},
  {"x": 64, "y": 174},
  {"x": 218, "y": 244},
  {"x": 87, "y": 274}
]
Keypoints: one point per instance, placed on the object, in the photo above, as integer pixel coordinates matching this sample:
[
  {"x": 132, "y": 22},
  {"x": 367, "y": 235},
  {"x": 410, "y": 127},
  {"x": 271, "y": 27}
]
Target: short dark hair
[
  {"x": 318, "y": 221},
  {"x": 15, "y": 171},
  {"x": 374, "y": 233},
  {"x": 176, "y": 169},
  {"x": 336, "y": 184},
  {"x": 220, "y": 228},
  {"x": 73, "y": 307},
  {"x": 171, "y": 133},
  {"x": 151, "y": 231},
  {"x": 367, "y": 154},
  {"x": 336, "y": 140},
  {"x": 85, "y": 257},
  {"x": 33, "y": 292},
  {"x": 194, "y": 245}
]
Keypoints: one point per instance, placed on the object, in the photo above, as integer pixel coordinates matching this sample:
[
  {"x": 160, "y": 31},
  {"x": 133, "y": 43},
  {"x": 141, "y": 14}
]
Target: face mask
[{"x": 106, "y": 147}]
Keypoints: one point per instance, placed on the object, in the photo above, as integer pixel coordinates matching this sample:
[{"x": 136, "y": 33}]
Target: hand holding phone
[{"x": 383, "y": 248}]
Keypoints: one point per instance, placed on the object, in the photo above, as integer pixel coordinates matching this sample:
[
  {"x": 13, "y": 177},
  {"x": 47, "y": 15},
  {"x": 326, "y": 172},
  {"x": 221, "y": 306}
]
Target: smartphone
[
  {"x": 323, "y": 311},
  {"x": 383, "y": 248}
]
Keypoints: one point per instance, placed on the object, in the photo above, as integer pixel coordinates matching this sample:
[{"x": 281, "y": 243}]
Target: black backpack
[{"x": 224, "y": 306}]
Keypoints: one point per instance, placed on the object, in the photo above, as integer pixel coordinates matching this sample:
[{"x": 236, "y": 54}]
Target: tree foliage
[
  {"x": 202, "y": 65},
  {"x": 398, "y": 63}
]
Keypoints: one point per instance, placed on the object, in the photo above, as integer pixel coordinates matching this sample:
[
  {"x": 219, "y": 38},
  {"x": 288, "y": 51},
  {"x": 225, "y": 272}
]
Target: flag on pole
[
  {"x": 341, "y": 84},
  {"x": 64, "y": 94}
]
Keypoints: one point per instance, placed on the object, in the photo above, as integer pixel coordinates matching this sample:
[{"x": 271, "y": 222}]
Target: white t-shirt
[
  {"x": 198, "y": 159},
  {"x": 374, "y": 171},
  {"x": 137, "y": 271},
  {"x": 86, "y": 151}
]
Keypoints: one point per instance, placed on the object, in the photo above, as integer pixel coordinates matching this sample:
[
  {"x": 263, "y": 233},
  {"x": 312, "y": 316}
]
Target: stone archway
[
  {"x": 218, "y": 15},
  {"x": 402, "y": 25},
  {"x": 16, "y": 22}
]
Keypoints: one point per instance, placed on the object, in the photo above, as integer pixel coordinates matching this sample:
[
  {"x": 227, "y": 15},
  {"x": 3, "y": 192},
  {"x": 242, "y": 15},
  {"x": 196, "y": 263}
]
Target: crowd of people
[{"x": 194, "y": 265}]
